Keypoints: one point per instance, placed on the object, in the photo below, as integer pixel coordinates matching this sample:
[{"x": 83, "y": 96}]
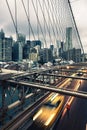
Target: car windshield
[{"x": 51, "y": 104}]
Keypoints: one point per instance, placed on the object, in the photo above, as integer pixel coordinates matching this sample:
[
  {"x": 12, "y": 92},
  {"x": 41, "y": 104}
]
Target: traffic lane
[
  {"x": 76, "y": 117},
  {"x": 74, "y": 83},
  {"x": 34, "y": 127}
]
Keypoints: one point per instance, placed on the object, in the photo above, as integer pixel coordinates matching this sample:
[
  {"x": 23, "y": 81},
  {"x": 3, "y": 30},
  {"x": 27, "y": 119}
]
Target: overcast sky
[
  {"x": 80, "y": 13},
  {"x": 79, "y": 10}
]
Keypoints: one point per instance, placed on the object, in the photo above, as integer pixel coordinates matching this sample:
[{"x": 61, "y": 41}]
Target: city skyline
[{"x": 78, "y": 6}]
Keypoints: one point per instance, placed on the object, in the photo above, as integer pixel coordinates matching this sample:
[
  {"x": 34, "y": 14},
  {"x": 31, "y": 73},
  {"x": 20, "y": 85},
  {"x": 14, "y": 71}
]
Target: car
[
  {"x": 79, "y": 74},
  {"x": 49, "y": 111}
]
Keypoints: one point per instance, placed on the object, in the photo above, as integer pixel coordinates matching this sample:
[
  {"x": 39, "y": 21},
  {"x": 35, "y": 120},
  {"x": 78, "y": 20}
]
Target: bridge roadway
[
  {"x": 65, "y": 76},
  {"x": 84, "y": 95},
  {"x": 18, "y": 74},
  {"x": 68, "y": 99},
  {"x": 26, "y": 114},
  {"x": 77, "y": 118},
  {"x": 79, "y": 94},
  {"x": 61, "y": 91},
  {"x": 6, "y": 73}
]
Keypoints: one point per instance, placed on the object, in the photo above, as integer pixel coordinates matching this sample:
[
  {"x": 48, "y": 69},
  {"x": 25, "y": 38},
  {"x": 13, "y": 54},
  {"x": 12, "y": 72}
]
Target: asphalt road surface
[{"x": 76, "y": 117}]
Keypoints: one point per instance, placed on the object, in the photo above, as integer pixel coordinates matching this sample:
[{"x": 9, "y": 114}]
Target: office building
[
  {"x": 21, "y": 39},
  {"x": 45, "y": 55},
  {"x": 2, "y": 34},
  {"x": 73, "y": 54},
  {"x": 26, "y": 50},
  {"x": 35, "y": 43},
  {"x": 5, "y": 47},
  {"x": 68, "y": 38},
  {"x": 33, "y": 56},
  {"x": 17, "y": 52}
]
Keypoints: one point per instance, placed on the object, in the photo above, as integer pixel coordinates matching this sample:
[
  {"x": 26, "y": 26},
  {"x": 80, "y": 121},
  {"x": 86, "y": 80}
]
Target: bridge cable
[
  {"x": 45, "y": 22},
  {"x": 28, "y": 3},
  {"x": 75, "y": 25},
  {"x": 53, "y": 17},
  {"x": 38, "y": 21},
  {"x": 15, "y": 24},
  {"x": 28, "y": 18}
]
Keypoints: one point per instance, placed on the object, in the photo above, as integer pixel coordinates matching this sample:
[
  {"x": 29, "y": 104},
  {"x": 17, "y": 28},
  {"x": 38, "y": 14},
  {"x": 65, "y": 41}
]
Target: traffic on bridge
[{"x": 52, "y": 101}]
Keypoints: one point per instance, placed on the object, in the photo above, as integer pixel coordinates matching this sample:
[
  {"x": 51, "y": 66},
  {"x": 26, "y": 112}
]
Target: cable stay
[
  {"x": 45, "y": 20},
  {"x": 38, "y": 21},
  {"x": 28, "y": 18},
  {"x": 14, "y": 23}
]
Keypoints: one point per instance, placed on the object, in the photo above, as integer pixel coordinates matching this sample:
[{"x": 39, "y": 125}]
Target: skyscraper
[
  {"x": 68, "y": 41},
  {"x": 17, "y": 52},
  {"x": 45, "y": 55},
  {"x": 21, "y": 39},
  {"x": 5, "y": 47},
  {"x": 2, "y": 34},
  {"x": 0, "y": 49},
  {"x": 68, "y": 38}
]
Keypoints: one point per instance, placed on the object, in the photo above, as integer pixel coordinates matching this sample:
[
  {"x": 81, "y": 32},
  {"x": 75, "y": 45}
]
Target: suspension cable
[
  {"x": 28, "y": 3},
  {"x": 38, "y": 21},
  {"x": 75, "y": 25},
  {"x": 45, "y": 20},
  {"x": 12, "y": 19},
  {"x": 53, "y": 17},
  {"x": 49, "y": 18},
  {"x": 28, "y": 19},
  {"x": 16, "y": 16}
]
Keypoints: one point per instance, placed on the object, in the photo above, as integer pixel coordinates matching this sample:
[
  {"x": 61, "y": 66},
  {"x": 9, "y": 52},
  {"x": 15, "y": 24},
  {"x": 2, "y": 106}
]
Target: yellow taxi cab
[{"x": 49, "y": 111}]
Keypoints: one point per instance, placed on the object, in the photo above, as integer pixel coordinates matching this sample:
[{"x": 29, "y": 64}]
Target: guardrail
[
  {"x": 22, "y": 117},
  {"x": 69, "y": 92}
]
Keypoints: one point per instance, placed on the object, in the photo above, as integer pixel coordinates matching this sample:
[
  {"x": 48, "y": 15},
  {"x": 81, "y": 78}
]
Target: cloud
[{"x": 79, "y": 9}]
